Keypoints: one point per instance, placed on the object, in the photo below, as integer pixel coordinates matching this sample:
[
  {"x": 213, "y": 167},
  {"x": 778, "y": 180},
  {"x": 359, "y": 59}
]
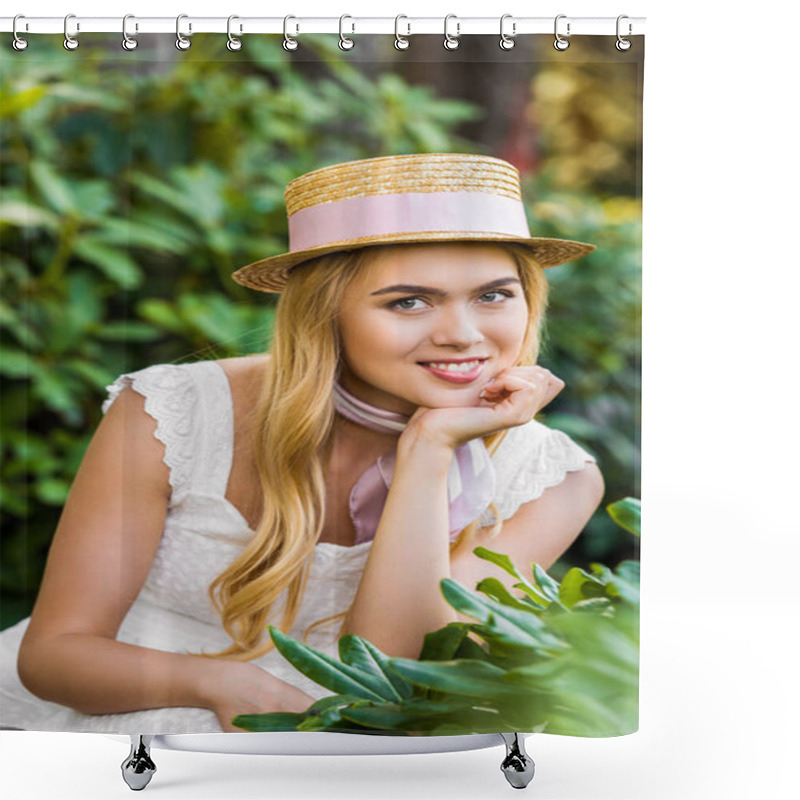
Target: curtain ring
[
  {"x": 623, "y": 44},
  {"x": 70, "y": 42},
  {"x": 128, "y": 42},
  {"x": 233, "y": 43},
  {"x": 18, "y": 43},
  {"x": 506, "y": 41},
  {"x": 344, "y": 42},
  {"x": 561, "y": 43},
  {"x": 451, "y": 42},
  {"x": 288, "y": 42},
  {"x": 181, "y": 42},
  {"x": 401, "y": 42}
]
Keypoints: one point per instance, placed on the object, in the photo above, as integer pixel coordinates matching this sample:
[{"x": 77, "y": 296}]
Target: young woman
[{"x": 325, "y": 488}]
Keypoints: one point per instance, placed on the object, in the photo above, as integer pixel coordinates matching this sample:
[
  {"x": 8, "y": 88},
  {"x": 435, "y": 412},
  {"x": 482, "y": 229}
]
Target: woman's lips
[{"x": 464, "y": 371}]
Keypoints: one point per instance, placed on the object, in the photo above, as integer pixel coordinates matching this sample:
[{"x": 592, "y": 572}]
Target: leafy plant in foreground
[{"x": 561, "y": 658}]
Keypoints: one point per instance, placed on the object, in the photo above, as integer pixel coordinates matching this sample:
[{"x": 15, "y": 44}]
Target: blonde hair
[{"x": 294, "y": 422}]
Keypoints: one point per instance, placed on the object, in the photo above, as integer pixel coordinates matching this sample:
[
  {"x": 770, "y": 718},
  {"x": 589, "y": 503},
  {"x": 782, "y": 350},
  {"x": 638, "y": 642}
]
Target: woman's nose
[{"x": 456, "y": 327}]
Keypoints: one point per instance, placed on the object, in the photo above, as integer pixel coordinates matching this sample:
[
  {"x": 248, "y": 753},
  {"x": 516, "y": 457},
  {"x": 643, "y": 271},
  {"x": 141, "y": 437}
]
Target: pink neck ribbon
[{"x": 470, "y": 479}]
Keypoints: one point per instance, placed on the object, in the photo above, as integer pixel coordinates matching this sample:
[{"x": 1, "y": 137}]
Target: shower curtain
[{"x": 134, "y": 183}]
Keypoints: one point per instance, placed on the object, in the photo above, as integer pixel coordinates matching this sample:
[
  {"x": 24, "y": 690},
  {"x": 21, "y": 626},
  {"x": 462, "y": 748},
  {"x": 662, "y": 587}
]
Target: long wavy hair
[{"x": 294, "y": 422}]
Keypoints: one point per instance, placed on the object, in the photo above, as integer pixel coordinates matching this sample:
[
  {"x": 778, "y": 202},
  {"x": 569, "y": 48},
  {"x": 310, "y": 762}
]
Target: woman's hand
[
  {"x": 512, "y": 398},
  {"x": 244, "y": 688}
]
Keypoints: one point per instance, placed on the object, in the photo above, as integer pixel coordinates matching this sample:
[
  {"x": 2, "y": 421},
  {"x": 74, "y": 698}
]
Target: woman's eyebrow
[{"x": 412, "y": 288}]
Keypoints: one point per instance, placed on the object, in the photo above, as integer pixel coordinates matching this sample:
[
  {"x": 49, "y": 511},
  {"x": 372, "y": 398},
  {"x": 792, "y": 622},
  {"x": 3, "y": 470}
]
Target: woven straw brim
[{"x": 271, "y": 274}]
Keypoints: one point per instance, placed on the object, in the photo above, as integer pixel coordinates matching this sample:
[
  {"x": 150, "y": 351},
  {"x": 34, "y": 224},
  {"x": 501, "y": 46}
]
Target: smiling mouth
[
  {"x": 454, "y": 366},
  {"x": 464, "y": 370}
]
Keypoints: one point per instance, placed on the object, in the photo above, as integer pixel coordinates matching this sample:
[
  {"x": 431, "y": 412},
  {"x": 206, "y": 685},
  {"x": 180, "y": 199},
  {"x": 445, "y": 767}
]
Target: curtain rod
[{"x": 298, "y": 25}]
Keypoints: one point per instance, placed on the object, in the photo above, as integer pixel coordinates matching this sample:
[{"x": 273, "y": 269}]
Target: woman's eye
[
  {"x": 407, "y": 303},
  {"x": 496, "y": 295}
]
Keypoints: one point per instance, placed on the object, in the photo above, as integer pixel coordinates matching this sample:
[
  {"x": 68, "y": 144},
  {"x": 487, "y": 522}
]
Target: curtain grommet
[
  {"x": 401, "y": 42},
  {"x": 623, "y": 44},
  {"x": 128, "y": 42},
  {"x": 561, "y": 43},
  {"x": 507, "y": 40},
  {"x": 18, "y": 43},
  {"x": 345, "y": 43},
  {"x": 451, "y": 41},
  {"x": 181, "y": 42},
  {"x": 289, "y": 44},
  {"x": 233, "y": 44},
  {"x": 70, "y": 42}
]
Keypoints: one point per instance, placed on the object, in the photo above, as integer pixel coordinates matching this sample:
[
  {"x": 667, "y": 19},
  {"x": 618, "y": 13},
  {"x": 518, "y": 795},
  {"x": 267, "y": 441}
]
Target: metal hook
[
  {"x": 623, "y": 44},
  {"x": 560, "y": 43},
  {"x": 506, "y": 41},
  {"x": 401, "y": 42},
  {"x": 233, "y": 43},
  {"x": 18, "y": 43},
  {"x": 128, "y": 42},
  {"x": 288, "y": 42},
  {"x": 451, "y": 42},
  {"x": 344, "y": 42},
  {"x": 181, "y": 42},
  {"x": 70, "y": 42}
]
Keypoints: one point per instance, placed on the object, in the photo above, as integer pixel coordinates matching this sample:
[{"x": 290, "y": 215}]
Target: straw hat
[{"x": 441, "y": 197}]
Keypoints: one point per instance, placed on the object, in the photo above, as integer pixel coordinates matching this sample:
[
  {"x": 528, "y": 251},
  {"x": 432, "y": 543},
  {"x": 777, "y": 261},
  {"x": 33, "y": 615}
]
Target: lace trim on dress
[
  {"x": 170, "y": 398},
  {"x": 545, "y": 464}
]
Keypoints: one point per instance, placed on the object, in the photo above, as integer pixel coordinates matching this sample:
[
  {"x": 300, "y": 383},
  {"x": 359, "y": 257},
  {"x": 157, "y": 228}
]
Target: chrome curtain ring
[
  {"x": 70, "y": 42},
  {"x": 233, "y": 43},
  {"x": 344, "y": 42},
  {"x": 560, "y": 43},
  {"x": 288, "y": 42},
  {"x": 451, "y": 42},
  {"x": 181, "y": 42},
  {"x": 507, "y": 41},
  {"x": 18, "y": 43},
  {"x": 128, "y": 42},
  {"x": 623, "y": 44},
  {"x": 401, "y": 42}
]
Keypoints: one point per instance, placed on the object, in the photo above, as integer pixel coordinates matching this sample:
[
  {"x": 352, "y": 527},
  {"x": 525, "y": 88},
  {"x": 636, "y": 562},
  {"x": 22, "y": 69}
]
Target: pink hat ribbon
[{"x": 406, "y": 212}]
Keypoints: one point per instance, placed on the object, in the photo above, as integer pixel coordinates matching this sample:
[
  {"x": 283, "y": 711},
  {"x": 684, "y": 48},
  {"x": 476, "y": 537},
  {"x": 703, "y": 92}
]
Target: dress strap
[
  {"x": 170, "y": 398},
  {"x": 214, "y": 433}
]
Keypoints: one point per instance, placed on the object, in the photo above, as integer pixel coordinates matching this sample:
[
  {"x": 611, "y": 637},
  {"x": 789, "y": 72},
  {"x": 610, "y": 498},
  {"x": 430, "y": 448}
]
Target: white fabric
[{"x": 204, "y": 532}]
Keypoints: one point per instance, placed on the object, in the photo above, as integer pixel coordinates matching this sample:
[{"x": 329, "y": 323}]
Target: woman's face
[{"x": 431, "y": 325}]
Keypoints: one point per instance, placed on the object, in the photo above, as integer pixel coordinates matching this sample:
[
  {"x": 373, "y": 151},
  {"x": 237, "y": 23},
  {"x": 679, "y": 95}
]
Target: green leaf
[
  {"x": 505, "y": 563},
  {"x": 15, "y": 363},
  {"x": 460, "y": 676},
  {"x": 577, "y": 586},
  {"x": 25, "y": 214},
  {"x": 497, "y": 590},
  {"x": 277, "y": 722},
  {"x": 515, "y": 627},
  {"x": 327, "y": 671},
  {"x": 53, "y": 188},
  {"x": 548, "y": 586},
  {"x": 128, "y": 332},
  {"x": 627, "y": 513},
  {"x": 116, "y": 264},
  {"x": 357, "y": 652},
  {"x": 442, "y": 645}
]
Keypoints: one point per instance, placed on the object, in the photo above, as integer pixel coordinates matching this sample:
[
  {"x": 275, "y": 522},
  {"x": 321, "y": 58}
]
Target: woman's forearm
[
  {"x": 399, "y": 599},
  {"x": 96, "y": 675}
]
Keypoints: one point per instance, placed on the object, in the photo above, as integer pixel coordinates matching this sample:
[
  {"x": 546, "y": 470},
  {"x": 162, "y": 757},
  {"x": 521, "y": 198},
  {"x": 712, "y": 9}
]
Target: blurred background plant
[{"x": 133, "y": 184}]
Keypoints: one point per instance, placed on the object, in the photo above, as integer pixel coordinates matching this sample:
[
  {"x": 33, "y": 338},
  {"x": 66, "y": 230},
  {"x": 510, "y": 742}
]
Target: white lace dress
[{"x": 204, "y": 532}]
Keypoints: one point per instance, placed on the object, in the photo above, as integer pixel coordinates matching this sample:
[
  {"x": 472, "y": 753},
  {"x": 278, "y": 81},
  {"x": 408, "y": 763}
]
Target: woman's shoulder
[{"x": 245, "y": 376}]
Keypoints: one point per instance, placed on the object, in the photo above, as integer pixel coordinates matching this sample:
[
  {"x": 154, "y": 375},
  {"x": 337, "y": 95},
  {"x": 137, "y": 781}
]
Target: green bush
[{"x": 561, "y": 658}]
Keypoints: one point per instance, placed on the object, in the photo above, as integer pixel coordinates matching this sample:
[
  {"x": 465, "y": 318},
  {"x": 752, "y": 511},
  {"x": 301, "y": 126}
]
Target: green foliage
[
  {"x": 561, "y": 658},
  {"x": 133, "y": 185}
]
